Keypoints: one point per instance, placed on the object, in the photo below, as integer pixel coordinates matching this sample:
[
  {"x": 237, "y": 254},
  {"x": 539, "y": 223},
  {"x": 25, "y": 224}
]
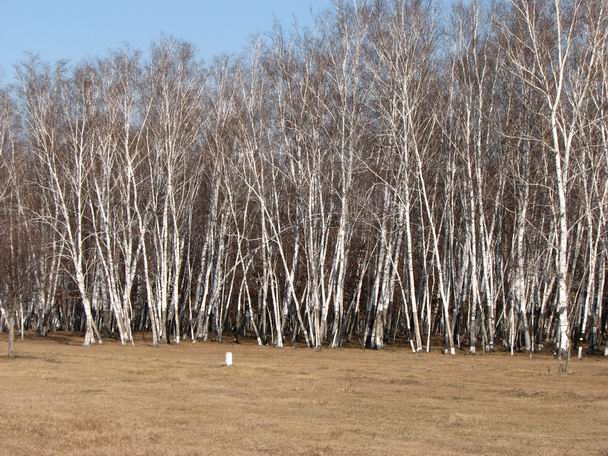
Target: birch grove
[{"x": 400, "y": 172}]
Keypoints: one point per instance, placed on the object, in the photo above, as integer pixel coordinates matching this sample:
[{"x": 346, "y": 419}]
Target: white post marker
[{"x": 228, "y": 359}]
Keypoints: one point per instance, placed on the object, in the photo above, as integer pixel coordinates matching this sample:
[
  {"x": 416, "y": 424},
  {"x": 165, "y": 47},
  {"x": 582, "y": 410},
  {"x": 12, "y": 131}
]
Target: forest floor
[{"x": 58, "y": 397}]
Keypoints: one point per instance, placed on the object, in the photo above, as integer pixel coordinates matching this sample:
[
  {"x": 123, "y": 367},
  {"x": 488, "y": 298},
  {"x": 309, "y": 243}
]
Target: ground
[{"x": 58, "y": 397}]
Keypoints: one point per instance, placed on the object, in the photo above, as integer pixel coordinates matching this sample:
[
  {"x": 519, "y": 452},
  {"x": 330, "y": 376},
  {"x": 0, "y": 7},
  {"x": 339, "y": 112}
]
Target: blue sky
[{"x": 73, "y": 30}]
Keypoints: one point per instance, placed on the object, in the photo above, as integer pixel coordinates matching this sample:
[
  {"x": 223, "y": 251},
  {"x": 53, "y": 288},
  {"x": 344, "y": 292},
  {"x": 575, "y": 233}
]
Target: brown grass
[{"x": 61, "y": 398}]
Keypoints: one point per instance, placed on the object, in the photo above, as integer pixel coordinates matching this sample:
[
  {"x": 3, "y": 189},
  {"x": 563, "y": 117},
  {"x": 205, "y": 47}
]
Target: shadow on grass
[
  {"x": 65, "y": 340},
  {"x": 20, "y": 357}
]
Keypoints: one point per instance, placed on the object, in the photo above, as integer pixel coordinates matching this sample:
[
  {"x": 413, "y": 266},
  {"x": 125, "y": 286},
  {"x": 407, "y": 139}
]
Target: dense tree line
[{"x": 396, "y": 172}]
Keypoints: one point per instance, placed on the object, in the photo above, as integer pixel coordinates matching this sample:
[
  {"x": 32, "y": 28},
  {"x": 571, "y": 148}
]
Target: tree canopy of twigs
[{"x": 399, "y": 172}]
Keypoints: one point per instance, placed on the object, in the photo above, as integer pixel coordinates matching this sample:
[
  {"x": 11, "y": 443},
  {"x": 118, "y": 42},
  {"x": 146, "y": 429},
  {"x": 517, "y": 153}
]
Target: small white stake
[{"x": 228, "y": 359}]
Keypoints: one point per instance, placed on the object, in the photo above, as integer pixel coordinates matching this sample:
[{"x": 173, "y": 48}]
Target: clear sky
[{"x": 73, "y": 29}]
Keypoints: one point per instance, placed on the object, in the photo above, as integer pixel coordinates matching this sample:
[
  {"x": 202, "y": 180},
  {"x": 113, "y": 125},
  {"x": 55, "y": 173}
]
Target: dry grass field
[{"x": 61, "y": 398}]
